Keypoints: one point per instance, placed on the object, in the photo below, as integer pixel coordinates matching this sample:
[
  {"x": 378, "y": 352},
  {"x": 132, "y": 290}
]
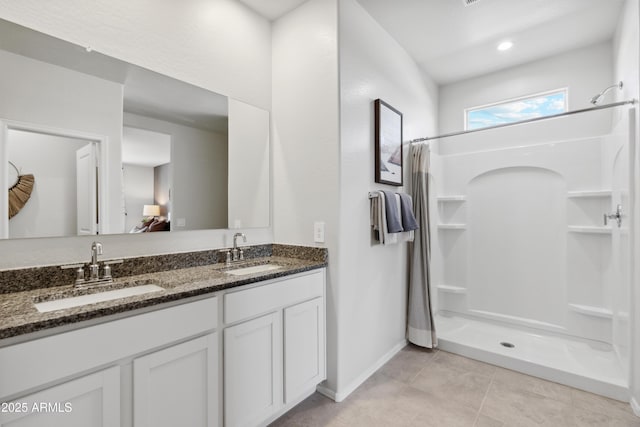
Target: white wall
[
  {"x": 372, "y": 279},
  {"x": 627, "y": 69},
  {"x": 584, "y": 71},
  {"x": 323, "y": 170},
  {"x": 199, "y": 173},
  {"x": 52, "y": 208},
  {"x": 193, "y": 40},
  {"x": 305, "y": 134},
  {"x": 138, "y": 183}
]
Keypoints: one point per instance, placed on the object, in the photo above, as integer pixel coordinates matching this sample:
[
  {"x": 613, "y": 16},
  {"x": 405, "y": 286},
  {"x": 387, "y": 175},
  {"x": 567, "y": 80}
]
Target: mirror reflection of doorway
[
  {"x": 62, "y": 202},
  {"x": 146, "y": 172}
]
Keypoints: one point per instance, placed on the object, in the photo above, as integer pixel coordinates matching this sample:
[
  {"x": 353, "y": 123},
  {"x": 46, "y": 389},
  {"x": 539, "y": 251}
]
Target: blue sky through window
[{"x": 517, "y": 110}]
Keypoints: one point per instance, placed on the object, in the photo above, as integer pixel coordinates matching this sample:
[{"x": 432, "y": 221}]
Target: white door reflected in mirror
[{"x": 95, "y": 94}]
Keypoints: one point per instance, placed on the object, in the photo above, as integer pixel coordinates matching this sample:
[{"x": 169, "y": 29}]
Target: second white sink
[
  {"x": 77, "y": 301},
  {"x": 253, "y": 269}
]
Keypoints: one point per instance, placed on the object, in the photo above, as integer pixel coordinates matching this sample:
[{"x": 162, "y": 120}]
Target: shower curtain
[{"x": 420, "y": 327}]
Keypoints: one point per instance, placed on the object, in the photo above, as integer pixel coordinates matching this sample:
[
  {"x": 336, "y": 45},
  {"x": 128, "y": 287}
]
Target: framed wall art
[{"x": 388, "y": 144}]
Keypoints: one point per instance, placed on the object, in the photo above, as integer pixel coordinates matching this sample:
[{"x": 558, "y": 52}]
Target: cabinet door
[
  {"x": 304, "y": 347},
  {"x": 89, "y": 401},
  {"x": 177, "y": 386},
  {"x": 252, "y": 370}
]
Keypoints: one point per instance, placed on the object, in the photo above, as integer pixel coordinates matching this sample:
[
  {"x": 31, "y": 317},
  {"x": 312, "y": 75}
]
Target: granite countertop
[{"x": 18, "y": 315}]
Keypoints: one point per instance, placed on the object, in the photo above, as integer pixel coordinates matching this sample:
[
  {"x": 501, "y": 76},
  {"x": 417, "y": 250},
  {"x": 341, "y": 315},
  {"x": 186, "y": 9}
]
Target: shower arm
[{"x": 599, "y": 96}]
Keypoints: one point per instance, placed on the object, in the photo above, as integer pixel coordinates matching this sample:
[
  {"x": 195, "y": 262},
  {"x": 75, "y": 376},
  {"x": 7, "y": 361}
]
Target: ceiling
[
  {"x": 273, "y": 9},
  {"x": 143, "y": 147},
  {"x": 453, "y": 42}
]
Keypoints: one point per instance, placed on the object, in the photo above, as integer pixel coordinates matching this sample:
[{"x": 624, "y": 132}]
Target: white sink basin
[
  {"x": 253, "y": 269},
  {"x": 64, "y": 303}
]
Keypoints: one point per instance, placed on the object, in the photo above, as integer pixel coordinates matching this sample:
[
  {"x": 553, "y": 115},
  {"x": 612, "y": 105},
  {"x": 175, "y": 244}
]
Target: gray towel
[
  {"x": 393, "y": 219},
  {"x": 406, "y": 211}
]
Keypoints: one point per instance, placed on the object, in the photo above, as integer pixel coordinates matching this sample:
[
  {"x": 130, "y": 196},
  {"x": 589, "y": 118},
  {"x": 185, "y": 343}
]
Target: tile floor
[{"x": 434, "y": 388}]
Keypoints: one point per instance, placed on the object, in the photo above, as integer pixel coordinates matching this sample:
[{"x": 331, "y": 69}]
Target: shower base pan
[{"x": 589, "y": 366}]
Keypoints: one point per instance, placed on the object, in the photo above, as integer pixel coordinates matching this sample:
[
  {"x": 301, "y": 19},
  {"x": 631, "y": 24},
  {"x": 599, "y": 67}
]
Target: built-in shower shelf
[
  {"x": 589, "y": 194},
  {"x": 592, "y": 311},
  {"x": 452, "y": 226},
  {"x": 452, "y": 289},
  {"x": 589, "y": 229},
  {"x": 452, "y": 198}
]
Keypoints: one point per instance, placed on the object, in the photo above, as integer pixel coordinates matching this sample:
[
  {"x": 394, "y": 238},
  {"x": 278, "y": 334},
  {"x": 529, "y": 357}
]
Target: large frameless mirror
[{"x": 114, "y": 148}]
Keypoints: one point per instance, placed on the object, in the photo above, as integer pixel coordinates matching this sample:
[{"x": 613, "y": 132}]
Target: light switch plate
[{"x": 318, "y": 232}]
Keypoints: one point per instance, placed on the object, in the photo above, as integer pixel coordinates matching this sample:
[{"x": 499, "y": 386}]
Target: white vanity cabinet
[
  {"x": 274, "y": 347},
  {"x": 304, "y": 348},
  {"x": 253, "y": 370},
  {"x": 177, "y": 386},
  {"x": 254, "y": 351},
  {"x": 143, "y": 370}
]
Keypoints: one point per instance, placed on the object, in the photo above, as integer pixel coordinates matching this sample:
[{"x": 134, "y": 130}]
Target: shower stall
[{"x": 531, "y": 247}]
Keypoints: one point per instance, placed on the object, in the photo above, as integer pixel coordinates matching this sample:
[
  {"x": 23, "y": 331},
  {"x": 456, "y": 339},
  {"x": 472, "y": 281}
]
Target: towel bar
[{"x": 373, "y": 194}]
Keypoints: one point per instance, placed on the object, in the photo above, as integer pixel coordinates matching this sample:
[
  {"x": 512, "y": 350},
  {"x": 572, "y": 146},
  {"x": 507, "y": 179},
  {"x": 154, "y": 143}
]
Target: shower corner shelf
[
  {"x": 452, "y": 226},
  {"x": 459, "y": 198},
  {"x": 591, "y": 311},
  {"x": 587, "y": 229},
  {"x": 452, "y": 289},
  {"x": 589, "y": 194}
]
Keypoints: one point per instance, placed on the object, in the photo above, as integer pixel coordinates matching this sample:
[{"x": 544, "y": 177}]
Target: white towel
[{"x": 379, "y": 222}]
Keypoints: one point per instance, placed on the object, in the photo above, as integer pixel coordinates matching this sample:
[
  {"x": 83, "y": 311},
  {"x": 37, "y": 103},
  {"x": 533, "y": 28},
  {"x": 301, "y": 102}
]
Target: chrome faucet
[
  {"x": 238, "y": 254},
  {"x": 94, "y": 268},
  {"x": 96, "y": 249}
]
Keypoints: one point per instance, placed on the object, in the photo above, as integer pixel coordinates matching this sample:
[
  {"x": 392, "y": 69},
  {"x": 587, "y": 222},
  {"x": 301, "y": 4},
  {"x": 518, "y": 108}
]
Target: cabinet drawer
[
  {"x": 24, "y": 366},
  {"x": 272, "y": 296}
]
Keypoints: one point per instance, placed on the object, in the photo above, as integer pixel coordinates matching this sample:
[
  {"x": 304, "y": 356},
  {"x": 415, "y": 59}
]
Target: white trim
[
  {"x": 342, "y": 394},
  {"x": 102, "y": 161},
  {"x": 564, "y": 90},
  {"x": 287, "y": 407},
  {"x": 327, "y": 392}
]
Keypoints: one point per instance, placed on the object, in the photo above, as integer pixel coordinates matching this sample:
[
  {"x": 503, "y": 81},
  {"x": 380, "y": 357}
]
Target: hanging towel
[
  {"x": 406, "y": 212},
  {"x": 379, "y": 221},
  {"x": 380, "y": 232},
  {"x": 394, "y": 224},
  {"x": 378, "y": 216}
]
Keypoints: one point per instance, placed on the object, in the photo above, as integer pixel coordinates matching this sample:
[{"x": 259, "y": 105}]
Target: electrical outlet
[
  {"x": 318, "y": 232},
  {"x": 182, "y": 222}
]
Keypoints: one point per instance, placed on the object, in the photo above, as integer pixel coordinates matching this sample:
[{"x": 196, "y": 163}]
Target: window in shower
[{"x": 516, "y": 110}]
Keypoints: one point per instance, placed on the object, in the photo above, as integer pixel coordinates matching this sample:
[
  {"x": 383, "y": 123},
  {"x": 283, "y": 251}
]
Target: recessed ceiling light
[{"x": 505, "y": 45}]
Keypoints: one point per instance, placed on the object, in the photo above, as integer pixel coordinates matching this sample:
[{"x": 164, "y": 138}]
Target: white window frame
[{"x": 564, "y": 90}]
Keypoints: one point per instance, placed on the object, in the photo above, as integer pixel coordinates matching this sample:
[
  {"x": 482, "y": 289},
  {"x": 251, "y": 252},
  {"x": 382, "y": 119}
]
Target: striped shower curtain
[{"x": 420, "y": 327}]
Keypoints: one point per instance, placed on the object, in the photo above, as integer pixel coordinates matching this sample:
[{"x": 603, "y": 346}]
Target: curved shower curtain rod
[{"x": 535, "y": 119}]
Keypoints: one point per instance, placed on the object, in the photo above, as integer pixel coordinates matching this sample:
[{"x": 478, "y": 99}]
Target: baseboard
[
  {"x": 635, "y": 406},
  {"x": 326, "y": 391},
  {"x": 286, "y": 408},
  {"x": 340, "y": 395}
]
